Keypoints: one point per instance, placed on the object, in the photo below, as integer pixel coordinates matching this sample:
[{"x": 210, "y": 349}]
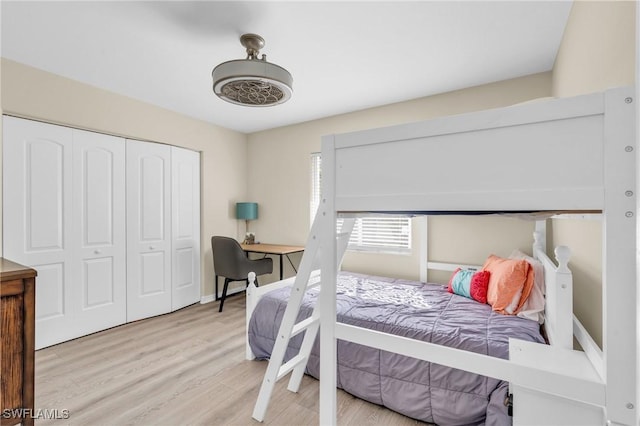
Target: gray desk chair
[{"x": 232, "y": 263}]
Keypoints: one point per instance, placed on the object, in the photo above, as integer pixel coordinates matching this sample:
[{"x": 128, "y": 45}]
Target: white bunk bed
[
  {"x": 558, "y": 311},
  {"x": 575, "y": 154}
]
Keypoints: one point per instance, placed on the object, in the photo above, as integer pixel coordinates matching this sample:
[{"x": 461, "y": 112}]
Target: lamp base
[{"x": 249, "y": 238}]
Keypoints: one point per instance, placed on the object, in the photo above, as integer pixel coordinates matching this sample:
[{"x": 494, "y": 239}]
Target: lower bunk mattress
[{"x": 425, "y": 391}]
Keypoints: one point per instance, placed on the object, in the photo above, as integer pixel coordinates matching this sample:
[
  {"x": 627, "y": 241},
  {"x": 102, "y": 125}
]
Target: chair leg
[
  {"x": 224, "y": 293},
  {"x": 216, "y": 293}
]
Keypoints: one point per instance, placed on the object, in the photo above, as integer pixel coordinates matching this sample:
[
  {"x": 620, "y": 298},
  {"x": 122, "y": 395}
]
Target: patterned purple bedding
[{"x": 418, "y": 389}]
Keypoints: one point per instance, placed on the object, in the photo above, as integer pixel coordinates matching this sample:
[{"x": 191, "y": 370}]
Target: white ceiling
[{"x": 344, "y": 56}]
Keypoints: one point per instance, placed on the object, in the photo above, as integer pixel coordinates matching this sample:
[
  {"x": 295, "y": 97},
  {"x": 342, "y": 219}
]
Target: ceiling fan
[{"x": 252, "y": 81}]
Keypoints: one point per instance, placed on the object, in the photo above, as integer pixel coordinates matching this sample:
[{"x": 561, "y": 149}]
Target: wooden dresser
[{"x": 17, "y": 342}]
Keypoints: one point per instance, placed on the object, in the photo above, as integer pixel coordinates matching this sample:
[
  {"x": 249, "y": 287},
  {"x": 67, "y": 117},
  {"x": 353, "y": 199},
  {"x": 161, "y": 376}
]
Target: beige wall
[
  {"x": 584, "y": 237},
  {"x": 280, "y": 177},
  {"x": 32, "y": 93},
  {"x": 598, "y": 51},
  {"x": 470, "y": 239}
]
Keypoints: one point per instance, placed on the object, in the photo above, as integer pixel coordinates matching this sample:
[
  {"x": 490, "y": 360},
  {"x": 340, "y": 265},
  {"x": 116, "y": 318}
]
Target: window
[{"x": 387, "y": 233}]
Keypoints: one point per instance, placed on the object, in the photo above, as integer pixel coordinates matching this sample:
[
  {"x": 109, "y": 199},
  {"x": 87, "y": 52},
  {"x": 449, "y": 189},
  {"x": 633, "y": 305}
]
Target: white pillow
[{"x": 533, "y": 307}]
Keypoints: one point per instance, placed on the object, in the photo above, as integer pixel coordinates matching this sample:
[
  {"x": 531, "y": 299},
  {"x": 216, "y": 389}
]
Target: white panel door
[
  {"x": 37, "y": 218},
  {"x": 148, "y": 229},
  {"x": 99, "y": 284},
  {"x": 185, "y": 230}
]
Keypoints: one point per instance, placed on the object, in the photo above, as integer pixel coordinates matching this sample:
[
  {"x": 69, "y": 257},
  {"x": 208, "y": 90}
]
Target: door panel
[
  {"x": 153, "y": 173},
  {"x": 99, "y": 235},
  {"x": 98, "y": 192},
  {"x": 50, "y": 297},
  {"x": 45, "y": 207},
  {"x": 37, "y": 220},
  {"x": 148, "y": 229},
  {"x": 184, "y": 267},
  {"x": 152, "y": 280},
  {"x": 185, "y": 170},
  {"x": 98, "y": 283}
]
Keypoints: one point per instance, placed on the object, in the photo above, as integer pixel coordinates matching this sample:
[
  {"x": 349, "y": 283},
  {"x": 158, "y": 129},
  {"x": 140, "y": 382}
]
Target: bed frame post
[
  {"x": 250, "y": 306},
  {"x": 619, "y": 257},
  {"x": 423, "y": 227},
  {"x": 563, "y": 299},
  {"x": 327, "y": 298},
  {"x": 540, "y": 236}
]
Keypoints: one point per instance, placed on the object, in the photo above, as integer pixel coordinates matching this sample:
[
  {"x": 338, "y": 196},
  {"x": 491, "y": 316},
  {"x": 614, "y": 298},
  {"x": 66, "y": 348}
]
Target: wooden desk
[
  {"x": 275, "y": 249},
  {"x": 17, "y": 342}
]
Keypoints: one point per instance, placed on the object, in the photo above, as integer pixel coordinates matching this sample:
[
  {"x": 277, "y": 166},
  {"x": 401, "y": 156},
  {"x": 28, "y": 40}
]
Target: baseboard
[
  {"x": 210, "y": 297},
  {"x": 207, "y": 299}
]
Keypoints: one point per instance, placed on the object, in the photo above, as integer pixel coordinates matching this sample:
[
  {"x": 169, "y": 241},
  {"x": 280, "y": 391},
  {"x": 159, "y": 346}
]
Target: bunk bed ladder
[{"x": 289, "y": 328}]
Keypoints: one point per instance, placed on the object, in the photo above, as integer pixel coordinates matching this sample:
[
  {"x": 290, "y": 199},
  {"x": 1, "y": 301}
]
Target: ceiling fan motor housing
[{"x": 252, "y": 81}]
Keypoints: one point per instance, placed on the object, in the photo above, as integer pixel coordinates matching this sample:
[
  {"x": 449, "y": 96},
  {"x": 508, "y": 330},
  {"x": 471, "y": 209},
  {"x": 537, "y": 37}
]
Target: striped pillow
[{"x": 470, "y": 283}]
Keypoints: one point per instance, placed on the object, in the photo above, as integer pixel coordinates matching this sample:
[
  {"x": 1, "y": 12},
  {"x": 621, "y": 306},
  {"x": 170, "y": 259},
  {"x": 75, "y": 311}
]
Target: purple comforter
[{"x": 418, "y": 389}]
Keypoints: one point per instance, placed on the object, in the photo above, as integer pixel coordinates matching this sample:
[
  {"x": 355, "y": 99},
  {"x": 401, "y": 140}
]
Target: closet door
[
  {"x": 64, "y": 216},
  {"x": 99, "y": 283},
  {"x": 185, "y": 230},
  {"x": 37, "y": 219},
  {"x": 148, "y": 229}
]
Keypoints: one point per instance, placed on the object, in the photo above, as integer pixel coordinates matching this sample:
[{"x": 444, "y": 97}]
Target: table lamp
[{"x": 247, "y": 211}]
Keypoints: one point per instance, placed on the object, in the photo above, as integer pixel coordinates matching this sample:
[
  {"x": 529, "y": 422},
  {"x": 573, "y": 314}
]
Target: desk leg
[
  {"x": 281, "y": 268},
  {"x": 292, "y": 265}
]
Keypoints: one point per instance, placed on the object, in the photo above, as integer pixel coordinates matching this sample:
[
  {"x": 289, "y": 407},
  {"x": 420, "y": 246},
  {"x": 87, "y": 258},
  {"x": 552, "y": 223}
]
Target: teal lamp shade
[{"x": 247, "y": 211}]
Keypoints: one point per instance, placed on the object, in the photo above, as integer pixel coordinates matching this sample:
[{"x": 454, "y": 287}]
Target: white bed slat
[
  {"x": 591, "y": 349},
  {"x": 441, "y": 266},
  {"x": 582, "y": 389},
  {"x": 304, "y": 324},
  {"x": 290, "y": 365}
]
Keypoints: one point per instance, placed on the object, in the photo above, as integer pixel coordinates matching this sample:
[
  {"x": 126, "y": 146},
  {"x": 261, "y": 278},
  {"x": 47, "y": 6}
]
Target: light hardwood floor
[{"x": 182, "y": 368}]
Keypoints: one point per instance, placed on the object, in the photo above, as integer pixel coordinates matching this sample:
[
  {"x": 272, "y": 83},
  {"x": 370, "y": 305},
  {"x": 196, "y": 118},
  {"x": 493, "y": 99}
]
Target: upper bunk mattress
[{"x": 427, "y": 312}]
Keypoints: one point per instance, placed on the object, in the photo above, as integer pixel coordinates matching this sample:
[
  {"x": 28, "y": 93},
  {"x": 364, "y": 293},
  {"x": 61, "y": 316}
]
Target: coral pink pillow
[
  {"x": 470, "y": 283},
  {"x": 510, "y": 283},
  {"x": 533, "y": 307}
]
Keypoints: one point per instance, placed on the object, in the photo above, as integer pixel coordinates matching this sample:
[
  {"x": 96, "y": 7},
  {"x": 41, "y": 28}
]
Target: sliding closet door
[
  {"x": 99, "y": 231},
  {"x": 37, "y": 220},
  {"x": 185, "y": 172},
  {"x": 148, "y": 229}
]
